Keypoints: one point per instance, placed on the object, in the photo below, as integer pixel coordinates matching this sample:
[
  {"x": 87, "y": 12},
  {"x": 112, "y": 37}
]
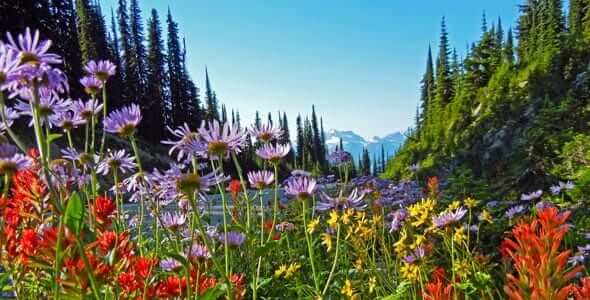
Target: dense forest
[
  {"x": 512, "y": 115},
  {"x": 152, "y": 72}
]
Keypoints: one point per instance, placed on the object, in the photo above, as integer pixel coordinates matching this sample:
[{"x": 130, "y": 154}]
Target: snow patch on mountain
[{"x": 354, "y": 143}]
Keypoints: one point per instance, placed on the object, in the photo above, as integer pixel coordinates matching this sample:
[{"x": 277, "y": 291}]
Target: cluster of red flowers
[
  {"x": 20, "y": 238},
  {"x": 540, "y": 268},
  {"x": 438, "y": 288}
]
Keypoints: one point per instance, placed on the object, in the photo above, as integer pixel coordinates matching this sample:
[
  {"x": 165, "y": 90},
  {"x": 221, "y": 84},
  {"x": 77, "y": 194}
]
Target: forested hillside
[{"x": 513, "y": 115}]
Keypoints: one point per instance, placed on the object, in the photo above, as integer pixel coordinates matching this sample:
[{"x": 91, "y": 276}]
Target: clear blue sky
[{"x": 359, "y": 62}]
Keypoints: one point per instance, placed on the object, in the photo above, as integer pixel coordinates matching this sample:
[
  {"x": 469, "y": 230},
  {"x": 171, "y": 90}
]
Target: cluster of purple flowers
[
  {"x": 398, "y": 218},
  {"x": 354, "y": 200},
  {"x": 561, "y": 186},
  {"x": 339, "y": 158},
  {"x": 402, "y": 194}
]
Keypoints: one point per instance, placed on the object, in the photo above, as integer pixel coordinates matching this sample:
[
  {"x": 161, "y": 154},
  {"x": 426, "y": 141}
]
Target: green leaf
[
  {"x": 54, "y": 136},
  {"x": 74, "y": 214},
  {"x": 214, "y": 293}
]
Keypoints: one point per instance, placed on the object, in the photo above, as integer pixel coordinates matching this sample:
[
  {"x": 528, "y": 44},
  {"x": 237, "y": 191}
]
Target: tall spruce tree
[
  {"x": 131, "y": 80},
  {"x": 210, "y": 99},
  {"x": 316, "y": 141},
  {"x": 427, "y": 86},
  {"x": 137, "y": 39},
  {"x": 300, "y": 142},
  {"x": 175, "y": 73},
  {"x": 443, "y": 85},
  {"x": 154, "y": 106}
]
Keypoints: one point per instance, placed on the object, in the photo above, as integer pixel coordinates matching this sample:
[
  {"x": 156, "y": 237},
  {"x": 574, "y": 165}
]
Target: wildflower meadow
[{"x": 65, "y": 232}]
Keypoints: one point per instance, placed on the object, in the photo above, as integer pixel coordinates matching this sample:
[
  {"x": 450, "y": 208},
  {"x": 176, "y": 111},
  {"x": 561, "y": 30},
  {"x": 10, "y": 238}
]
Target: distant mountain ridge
[{"x": 354, "y": 143}]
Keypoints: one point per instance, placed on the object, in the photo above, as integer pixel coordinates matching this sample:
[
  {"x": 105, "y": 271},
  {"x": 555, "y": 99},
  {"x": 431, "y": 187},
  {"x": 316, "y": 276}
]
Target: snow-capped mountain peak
[{"x": 354, "y": 143}]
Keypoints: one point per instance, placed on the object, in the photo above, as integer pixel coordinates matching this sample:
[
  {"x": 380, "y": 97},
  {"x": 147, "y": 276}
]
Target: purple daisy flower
[
  {"x": 273, "y": 153},
  {"x": 8, "y": 64},
  {"x": 449, "y": 217},
  {"x": 49, "y": 106},
  {"x": 170, "y": 264},
  {"x": 301, "y": 187},
  {"x": 123, "y": 121},
  {"x": 531, "y": 196},
  {"x": 173, "y": 221},
  {"x": 173, "y": 184},
  {"x": 221, "y": 141},
  {"x": 117, "y": 160},
  {"x": 558, "y": 188},
  {"x": 339, "y": 158},
  {"x": 10, "y": 115},
  {"x": 234, "y": 238},
  {"x": 44, "y": 77},
  {"x": 266, "y": 133},
  {"x": 515, "y": 210},
  {"x": 11, "y": 161},
  {"x": 91, "y": 84},
  {"x": 188, "y": 145},
  {"x": 102, "y": 69},
  {"x": 354, "y": 200},
  {"x": 399, "y": 218},
  {"x": 86, "y": 160},
  {"x": 543, "y": 205},
  {"x": 67, "y": 120},
  {"x": 260, "y": 179},
  {"x": 31, "y": 50},
  {"x": 198, "y": 251},
  {"x": 576, "y": 260},
  {"x": 86, "y": 109}
]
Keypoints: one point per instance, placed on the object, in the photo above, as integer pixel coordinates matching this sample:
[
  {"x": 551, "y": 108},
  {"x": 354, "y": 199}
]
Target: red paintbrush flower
[
  {"x": 541, "y": 269},
  {"x": 238, "y": 283},
  {"x": 103, "y": 209},
  {"x": 128, "y": 282},
  {"x": 438, "y": 291},
  {"x": 28, "y": 241},
  {"x": 172, "y": 286},
  {"x": 143, "y": 266},
  {"x": 106, "y": 241},
  {"x": 234, "y": 187}
]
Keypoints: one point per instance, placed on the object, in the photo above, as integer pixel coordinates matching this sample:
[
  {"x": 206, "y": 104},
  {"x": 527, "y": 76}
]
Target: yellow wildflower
[
  {"x": 293, "y": 268},
  {"x": 485, "y": 216},
  {"x": 346, "y": 216},
  {"x": 461, "y": 268},
  {"x": 333, "y": 221},
  {"x": 327, "y": 241},
  {"x": 471, "y": 203},
  {"x": 281, "y": 270},
  {"x": 421, "y": 211},
  {"x": 454, "y": 205},
  {"x": 372, "y": 284},
  {"x": 347, "y": 289},
  {"x": 420, "y": 239},
  {"x": 460, "y": 235},
  {"x": 360, "y": 215},
  {"x": 313, "y": 225},
  {"x": 409, "y": 271},
  {"x": 358, "y": 264},
  {"x": 400, "y": 245},
  {"x": 378, "y": 219}
]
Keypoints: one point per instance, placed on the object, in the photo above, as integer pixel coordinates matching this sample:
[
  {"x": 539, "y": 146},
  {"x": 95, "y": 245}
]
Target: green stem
[
  {"x": 244, "y": 189},
  {"x": 309, "y": 246},
  {"x": 334, "y": 262},
  {"x": 104, "y": 115},
  {"x": 261, "y": 218},
  {"x": 275, "y": 207},
  {"x": 6, "y": 185},
  {"x": 141, "y": 200},
  {"x": 11, "y": 133},
  {"x": 89, "y": 269}
]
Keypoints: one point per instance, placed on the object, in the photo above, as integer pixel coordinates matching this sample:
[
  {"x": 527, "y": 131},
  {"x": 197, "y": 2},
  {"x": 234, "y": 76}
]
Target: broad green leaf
[
  {"x": 54, "y": 136},
  {"x": 214, "y": 293},
  {"x": 74, "y": 214}
]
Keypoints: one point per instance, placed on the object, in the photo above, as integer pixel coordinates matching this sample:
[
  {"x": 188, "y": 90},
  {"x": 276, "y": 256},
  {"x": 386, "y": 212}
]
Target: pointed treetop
[{"x": 484, "y": 22}]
